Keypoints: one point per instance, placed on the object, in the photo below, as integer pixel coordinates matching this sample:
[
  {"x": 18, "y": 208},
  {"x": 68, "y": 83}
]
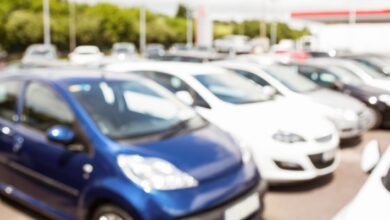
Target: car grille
[
  {"x": 319, "y": 163},
  {"x": 324, "y": 138}
]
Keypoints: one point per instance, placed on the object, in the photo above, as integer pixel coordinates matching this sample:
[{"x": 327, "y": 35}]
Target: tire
[{"x": 110, "y": 212}]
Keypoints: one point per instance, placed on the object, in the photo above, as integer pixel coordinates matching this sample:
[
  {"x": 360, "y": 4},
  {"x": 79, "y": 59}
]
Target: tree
[
  {"x": 22, "y": 29},
  {"x": 181, "y": 11}
]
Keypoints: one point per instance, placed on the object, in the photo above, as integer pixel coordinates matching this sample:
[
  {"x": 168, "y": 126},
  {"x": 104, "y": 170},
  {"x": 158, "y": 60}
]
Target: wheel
[{"x": 110, "y": 212}]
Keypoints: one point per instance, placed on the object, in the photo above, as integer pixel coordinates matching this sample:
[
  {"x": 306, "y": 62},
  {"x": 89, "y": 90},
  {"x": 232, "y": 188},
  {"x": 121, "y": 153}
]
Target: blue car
[{"x": 78, "y": 144}]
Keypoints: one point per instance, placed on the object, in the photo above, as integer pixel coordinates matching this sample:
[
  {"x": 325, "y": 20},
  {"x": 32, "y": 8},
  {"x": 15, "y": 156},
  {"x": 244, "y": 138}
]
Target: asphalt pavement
[{"x": 320, "y": 199}]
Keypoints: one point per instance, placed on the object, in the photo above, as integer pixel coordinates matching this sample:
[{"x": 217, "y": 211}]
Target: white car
[
  {"x": 373, "y": 199},
  {"x": 351, "y": 117},
  {"x": 86, "y": 55},
  {"x": 233, "y": 44},
  {"x": 40, "y": 54},
  {"x": 366, "y": 74},
  {"x": 123, "y": 51},
  {"x": 288, "y": 144}
]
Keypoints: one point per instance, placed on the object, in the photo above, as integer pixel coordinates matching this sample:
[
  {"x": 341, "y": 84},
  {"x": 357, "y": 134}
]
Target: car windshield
[
  {"x": 232, "y": 88},
  {"x": 130, "y": 109},
  {"x": 289, "y": 76},
  {"x": 47, "y": 53}
]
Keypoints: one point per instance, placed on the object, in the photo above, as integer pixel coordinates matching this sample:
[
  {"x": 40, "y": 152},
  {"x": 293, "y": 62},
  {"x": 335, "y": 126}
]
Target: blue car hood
[{"x": 205, "y": 154}]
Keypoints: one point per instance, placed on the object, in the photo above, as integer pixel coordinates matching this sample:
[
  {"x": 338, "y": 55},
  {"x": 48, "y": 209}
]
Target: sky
[{"x": 247, "y": 9}]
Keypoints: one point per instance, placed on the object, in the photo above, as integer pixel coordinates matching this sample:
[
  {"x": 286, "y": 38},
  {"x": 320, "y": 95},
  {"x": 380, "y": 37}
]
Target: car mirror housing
[
  {"x": 61, "y": 134},
  {"x": 370, "y": 156}
]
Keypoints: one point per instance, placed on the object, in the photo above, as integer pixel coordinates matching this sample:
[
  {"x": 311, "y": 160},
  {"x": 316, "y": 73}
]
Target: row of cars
[{"x": 80, "y": 137}]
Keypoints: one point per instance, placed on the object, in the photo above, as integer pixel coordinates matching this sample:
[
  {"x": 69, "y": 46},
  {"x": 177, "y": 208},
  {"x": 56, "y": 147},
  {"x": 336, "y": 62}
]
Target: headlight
[
  {"x": 350, "y": 115},
  {"x": 385, "y": 99},
  {"x": 154, "y": 173},
  {"x": 287, "y": 137}
]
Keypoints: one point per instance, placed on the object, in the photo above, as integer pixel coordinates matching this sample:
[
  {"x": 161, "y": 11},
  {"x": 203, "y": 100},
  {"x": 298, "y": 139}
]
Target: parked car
[
  {"x": 179, "y": 47},
  {"x": 284, "y": 152},
  {"x": 368, "y": 75},
  {"x": 376, "y": 62},
  {"x": 191, "y": 56},
  {"x": 86, "y": 55},
  {"x": 123, "y": 51},
  {"x": 87, "y": 145},
  {"x": 351, "y": 117},
  {"x": 371, "y": 202},
  {"x": 343, "y": 80},
  {"x": 154, "y": 51},
  {"x": 238, "y": 44},
  {"x": 40, "y": 53}
]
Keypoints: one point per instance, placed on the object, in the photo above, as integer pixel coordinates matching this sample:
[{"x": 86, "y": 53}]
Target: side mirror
[
  {"x": 371, "y": 156},
  {"x": 185, "y": 97},
  {"x": 269, "y": 91},
  {"x": 61, "y": 134}
]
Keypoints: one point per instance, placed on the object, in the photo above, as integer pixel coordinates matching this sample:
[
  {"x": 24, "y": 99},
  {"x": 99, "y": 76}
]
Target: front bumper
[
  {"x": 303, "y": 161},
  {"x": 216, "y": 213}
]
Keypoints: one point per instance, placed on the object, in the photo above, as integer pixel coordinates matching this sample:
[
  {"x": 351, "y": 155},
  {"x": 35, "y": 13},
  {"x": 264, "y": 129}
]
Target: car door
[
  {"x": 46, "y": 171},
  {"x": 9, "y": 95}
]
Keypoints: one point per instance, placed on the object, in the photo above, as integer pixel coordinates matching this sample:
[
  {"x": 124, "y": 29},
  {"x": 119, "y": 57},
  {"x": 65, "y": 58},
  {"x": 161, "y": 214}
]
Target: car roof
[
  {"x": 64, "y": 75},
  {"x": 174, "y": 68}
]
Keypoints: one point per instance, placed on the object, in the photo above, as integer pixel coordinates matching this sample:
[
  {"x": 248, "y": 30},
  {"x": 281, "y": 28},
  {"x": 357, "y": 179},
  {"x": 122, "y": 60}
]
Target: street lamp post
[
  {"x": 142, "y": 31},
  {"x": 46, "y": 22},
  {"x": 263, "y": 24},
  {"x": 189, "y": 28},
  {"x": 72, "y": 26}
]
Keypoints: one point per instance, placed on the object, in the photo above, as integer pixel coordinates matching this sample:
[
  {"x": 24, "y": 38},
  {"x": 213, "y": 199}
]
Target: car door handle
[{"x": 18, "y": 144}]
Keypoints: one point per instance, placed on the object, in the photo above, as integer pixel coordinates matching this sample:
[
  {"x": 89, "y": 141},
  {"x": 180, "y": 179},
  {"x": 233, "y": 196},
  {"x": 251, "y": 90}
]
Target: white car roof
[
  {"x": 87, "y": 48},
  {"x": 173, "y": 68}
]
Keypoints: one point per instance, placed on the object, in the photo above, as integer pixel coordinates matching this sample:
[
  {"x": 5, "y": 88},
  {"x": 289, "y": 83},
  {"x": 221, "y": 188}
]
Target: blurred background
[{"x": 216, "y": 29}]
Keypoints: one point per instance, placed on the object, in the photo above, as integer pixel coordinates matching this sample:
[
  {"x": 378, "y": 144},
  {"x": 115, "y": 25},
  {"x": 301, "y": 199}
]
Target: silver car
[{"x": 350, "y": 116}]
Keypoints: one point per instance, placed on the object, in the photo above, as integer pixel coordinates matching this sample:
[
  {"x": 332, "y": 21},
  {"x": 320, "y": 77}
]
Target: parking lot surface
[{"x": 320, "y": 199}]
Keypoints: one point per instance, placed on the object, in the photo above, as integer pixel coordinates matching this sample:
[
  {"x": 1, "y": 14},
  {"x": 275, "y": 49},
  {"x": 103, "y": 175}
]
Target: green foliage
[
  {"x": 104, "y": 24},
  {"x": 251, "y": 28},
  {"x": 22, "y": 28},
  {"x": 181, "y": 11}
]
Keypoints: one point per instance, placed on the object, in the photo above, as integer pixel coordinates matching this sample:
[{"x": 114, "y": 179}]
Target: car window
[
  {"x": 346, "y": 76},
  {"x": 9, "y": 93},
  {"x": 232, "y": 88},
  {"x": 291, "y": 78},
  {"x": 252, "y": 76},
  {"x": 43, "y": 108},
  {"x": 175, "y": 84},
  {"x": 131, "y": 109}
]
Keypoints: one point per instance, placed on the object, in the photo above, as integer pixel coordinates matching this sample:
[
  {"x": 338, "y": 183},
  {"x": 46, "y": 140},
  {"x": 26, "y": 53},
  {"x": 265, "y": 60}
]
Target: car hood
[
  {"x": 262, "y": 120},
  {"x": 334, "y": 100},
  {"x": 207, "y": 149}
]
